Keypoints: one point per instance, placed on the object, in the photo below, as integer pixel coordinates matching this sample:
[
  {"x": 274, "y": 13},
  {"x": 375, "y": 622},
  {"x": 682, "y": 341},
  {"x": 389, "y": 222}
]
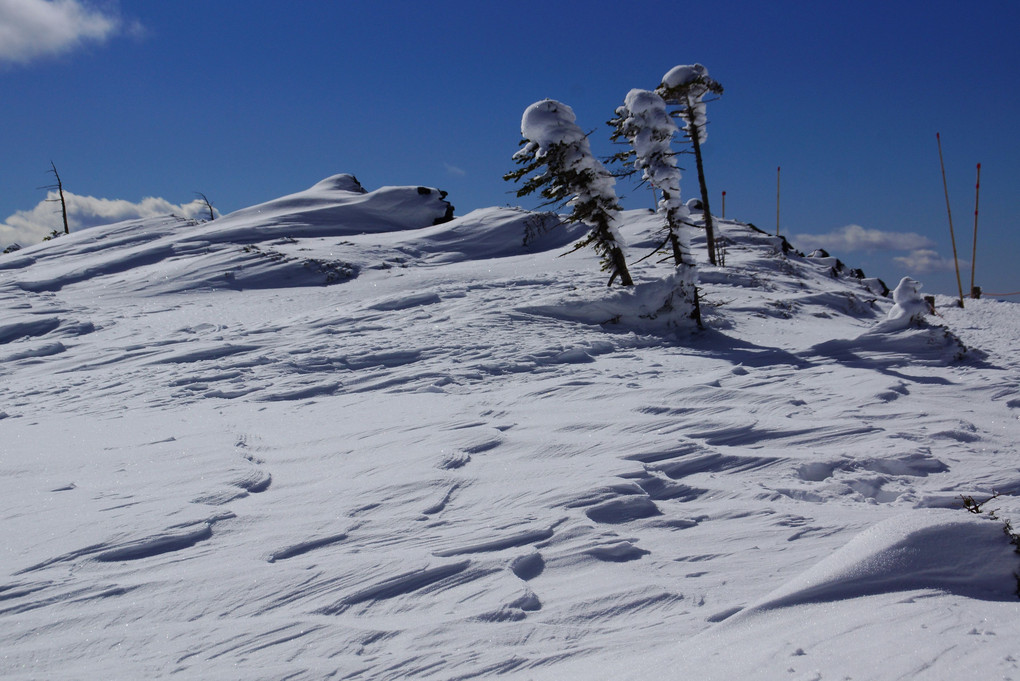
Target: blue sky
[{"x": 247, "y": 101}]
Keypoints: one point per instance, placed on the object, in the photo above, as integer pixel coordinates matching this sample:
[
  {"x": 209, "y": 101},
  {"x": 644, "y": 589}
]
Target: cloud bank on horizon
[
  {"x": 920, "y": 256},
  {"x": 857, "y": 238},
  {"x": 35, "y": 29},
  {"x": 926, "y": 260},
  {"x": 27, "y": 227}
]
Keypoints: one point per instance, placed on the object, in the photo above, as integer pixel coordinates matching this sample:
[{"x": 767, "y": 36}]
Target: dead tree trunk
[
  {"x": 60, "y": 190},
  {"x": 208, "y": 205}
]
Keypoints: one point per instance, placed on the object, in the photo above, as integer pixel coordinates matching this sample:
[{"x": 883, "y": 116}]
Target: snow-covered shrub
[
  {"x": 568, "y": 173},
  {"x": 685, "y": 87},
  {"x": 659, "y": 307},
  {"x": 909, "y": 306},
  {"x": 644, "y": 122}
]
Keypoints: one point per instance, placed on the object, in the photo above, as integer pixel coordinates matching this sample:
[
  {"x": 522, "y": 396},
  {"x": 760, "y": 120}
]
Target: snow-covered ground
[{"x": 326, "y": 438}]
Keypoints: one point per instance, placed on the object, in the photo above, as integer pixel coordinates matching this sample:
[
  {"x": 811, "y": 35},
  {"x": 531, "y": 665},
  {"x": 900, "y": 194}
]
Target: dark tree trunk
[
  {"x": 620, "y": 267},
  {"x": 618, "y": 262},
  {"x": 678, "y": 255},
  {"x": 63, "y": 204},
  {"x": 709, "y": 231}
]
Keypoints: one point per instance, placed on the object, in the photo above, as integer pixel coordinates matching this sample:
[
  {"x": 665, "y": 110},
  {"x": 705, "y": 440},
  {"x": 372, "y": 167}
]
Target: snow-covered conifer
[
  {"x": 571, "y": 176},
  {"x": 685, "y": 87},
  {"x": 644, "y": 122}
]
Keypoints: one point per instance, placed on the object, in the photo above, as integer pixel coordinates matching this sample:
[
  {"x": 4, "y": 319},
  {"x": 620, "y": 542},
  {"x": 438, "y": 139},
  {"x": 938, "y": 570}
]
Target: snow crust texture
[{"x": 324, "y": 437}]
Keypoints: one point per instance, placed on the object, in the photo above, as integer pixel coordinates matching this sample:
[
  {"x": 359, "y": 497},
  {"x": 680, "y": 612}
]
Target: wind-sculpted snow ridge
[
  {"x": 935, "y": 555},
  {"x": 468, "y": 459},
  {"x": 932, "y": 549}
]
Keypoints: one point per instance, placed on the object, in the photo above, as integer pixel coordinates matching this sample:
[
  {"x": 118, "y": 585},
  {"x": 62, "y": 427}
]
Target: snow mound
[
  {"x": 335, "y": 206},
  {"x": 904, "y": 333},
  {"x": 495, "y": 233},
  {"x": 864, "y": 612},
  {"x": 940, "y": 549},
  {"x": 655, "y": 307},
  {"x": 344, "y": 182},
  {"x": 936, "y": 345}
]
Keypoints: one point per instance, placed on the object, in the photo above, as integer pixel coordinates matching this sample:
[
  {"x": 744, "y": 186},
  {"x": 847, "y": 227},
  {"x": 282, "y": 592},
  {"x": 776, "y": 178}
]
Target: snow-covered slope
[{"x": 325, "y": 437}]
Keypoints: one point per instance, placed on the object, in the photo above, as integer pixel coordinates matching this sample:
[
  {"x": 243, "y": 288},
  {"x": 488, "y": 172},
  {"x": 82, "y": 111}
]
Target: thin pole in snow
[
  {"x": 952, "y": 235},
  {"x": 724, "y": 205},
  {"x": 973, "y": 257},
  {"x": 778, "y": 169}
]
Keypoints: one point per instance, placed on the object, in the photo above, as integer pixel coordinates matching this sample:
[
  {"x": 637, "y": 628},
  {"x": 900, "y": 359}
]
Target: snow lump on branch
[
  {"x": 555, "y": 139},
  {"x": 685, "y": 86}
]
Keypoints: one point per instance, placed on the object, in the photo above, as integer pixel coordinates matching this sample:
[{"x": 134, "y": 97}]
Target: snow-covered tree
[
  {"x": 685, "y": 87},
  {"x": 557, "y": 162},
  {"x": 644, "y": 122}
]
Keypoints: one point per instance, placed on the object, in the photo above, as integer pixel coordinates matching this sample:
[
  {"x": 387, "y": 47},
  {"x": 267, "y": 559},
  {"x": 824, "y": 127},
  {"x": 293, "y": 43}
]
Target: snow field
[{"x": 465, "y": 458}]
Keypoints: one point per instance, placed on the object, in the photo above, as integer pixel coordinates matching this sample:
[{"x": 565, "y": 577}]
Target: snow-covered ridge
[
  {"x": 176, "y": 254},
  {"x": 325, "y": 437}
]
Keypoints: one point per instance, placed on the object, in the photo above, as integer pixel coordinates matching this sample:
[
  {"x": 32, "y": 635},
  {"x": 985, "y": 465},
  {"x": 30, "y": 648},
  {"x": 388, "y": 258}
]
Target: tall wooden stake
[
  {"x": 778, "y": 169},
  {"x": 973, "y": 256},
  {"x": 724, "y": 205},
  {"x": 952, "y": 236}
]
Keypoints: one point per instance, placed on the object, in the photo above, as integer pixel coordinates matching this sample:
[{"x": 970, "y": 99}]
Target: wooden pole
[
  {"x": 973, "y": 256},
  {"x": 778, "y": 169},
  {"x": 952, "y": 236},
  {"x": 724, "y": 205}
]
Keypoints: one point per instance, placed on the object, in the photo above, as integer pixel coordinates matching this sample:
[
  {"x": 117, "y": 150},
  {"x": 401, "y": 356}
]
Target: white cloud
[
  {"x": 27, "y": 227},
  {"x": 30, "y": 29},
  {"x": 454, "y": 170},
  {"x": 925, "y": 260},
  {"x": 857, "y": 238}
]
